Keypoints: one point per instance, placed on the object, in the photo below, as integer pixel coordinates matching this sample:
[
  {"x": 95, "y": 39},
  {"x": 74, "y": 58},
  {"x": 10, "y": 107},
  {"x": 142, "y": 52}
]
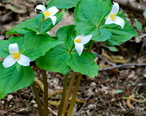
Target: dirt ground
[{"x": 119, "y": 90}]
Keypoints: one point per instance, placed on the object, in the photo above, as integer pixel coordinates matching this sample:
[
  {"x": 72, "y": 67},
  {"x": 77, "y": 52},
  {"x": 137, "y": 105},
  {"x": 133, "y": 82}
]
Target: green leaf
[
  {"x": 84, "y": 64},
  {"x": 66, "y": 35},
  {"x": 23, "y": 27},
  {"x": 4, "y": 48},
  {"x": 138, "y": 25},
  {"x": 89, "y": 16},
  {"x": 60, "y": 60},
  {"x": 63, "y": 3},
  {"x": 12, "y": 79},
  {"x": 32, "y": 45},
  {"x": 144, "y": 14},
  {"x": 55, "y": 60},
  {"x": 112, "y": 48},
  {"x": 118, "y": 91}
]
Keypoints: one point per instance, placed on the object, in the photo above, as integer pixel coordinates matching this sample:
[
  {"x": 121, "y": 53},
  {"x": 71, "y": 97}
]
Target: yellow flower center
[
  {"x": 78, "y": 40},
  {"x": 47, "y": 13},
  {"x": 16, "y": 56},
  {"x": 113, "y": 16}
]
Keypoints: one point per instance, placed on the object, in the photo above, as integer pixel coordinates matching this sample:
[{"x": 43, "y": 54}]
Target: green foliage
[
  {"x": 31, "y": 45},
  {"x": 92, "y": 19},
  {"x": 63, "y": 58},
  {"x": 55, "y": 60},
  {"x": 66, "y": 35},
  {"x": 84, "y": 64},
  {"x": 13, "y": 79},
  {"x": 37, "y": 24},
  {"x": 62, "y": 61},
  {"x": 63, "y": 3},
  {"x": 20, "y": 28},
  {"x": 58, "y": 54},
  {"x": 89, "y": 16},
  {"x": 138, "y": 25}
]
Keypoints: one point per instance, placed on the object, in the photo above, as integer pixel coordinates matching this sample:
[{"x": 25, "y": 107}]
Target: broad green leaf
[
  {"x": 32, "y": 45},
  {"x": 60, "y": 60},
  {"x": 12, "y": 79},
  {"x": 63, "y": 3},
  {"x": 84, "y": 64},
  {"x": 66, "y": 35},
  {"x": 55, "y": 60},
  {"x": 89, "y": 16},
  {"x": 23, "y": 27}
]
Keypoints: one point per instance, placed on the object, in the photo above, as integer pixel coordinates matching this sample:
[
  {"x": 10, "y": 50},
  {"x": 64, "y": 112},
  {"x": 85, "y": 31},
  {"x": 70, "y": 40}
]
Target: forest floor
[{"x": 119, "y": 90}]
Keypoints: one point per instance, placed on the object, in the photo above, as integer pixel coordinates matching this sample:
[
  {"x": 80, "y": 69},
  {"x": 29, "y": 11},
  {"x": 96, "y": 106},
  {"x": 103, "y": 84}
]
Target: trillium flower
[
  {"x": 80, "y": 41},
  {"x": 113, "y": 18},
  {"x": 48, "y": 13},
  {"x": 15, "y": 56}
]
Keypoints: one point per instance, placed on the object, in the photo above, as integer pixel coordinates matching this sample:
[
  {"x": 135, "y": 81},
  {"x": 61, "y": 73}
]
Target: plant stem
[
  {"x": 45, "y": 93},
  {"x": 63, "y": 95},
  {"x": 38, "y": 101},
  {"x": 91, "y": 46},
  {"x": 74, "y": 95},
  {"x": 69, "y": 92}
]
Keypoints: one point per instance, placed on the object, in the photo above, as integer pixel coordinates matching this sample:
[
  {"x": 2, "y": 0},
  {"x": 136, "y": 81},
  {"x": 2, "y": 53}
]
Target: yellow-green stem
[
  {"x": 60, "y": 112},
  {"x": 45, "y": 93},
  {"x": 74, "y": 95},
  {"x": 91, "y": 46},
  {"x": 69, "y": 91},
  {"x": 38, "y": 101}
]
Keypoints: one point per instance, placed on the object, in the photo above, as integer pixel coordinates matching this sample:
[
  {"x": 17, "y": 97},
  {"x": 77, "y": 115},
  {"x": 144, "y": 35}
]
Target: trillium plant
[{"x": 68, "y": 52}]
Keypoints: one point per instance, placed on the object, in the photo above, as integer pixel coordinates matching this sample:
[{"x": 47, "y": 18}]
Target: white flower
[
  {"x": 80, "y": 41},
  {"x": 48, "y": 13},
  {"x": 113, "y": 18},
  {"x": 15, "y": 56}
]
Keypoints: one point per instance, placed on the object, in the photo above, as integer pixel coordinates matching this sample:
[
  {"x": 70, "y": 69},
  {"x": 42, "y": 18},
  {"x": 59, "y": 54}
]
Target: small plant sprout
[
  {"x": 80, "y": 41},
  {"x": 15, "y": 56},
  {"x": 48, "y": 13},
  {"x": 113, "y": 18}
]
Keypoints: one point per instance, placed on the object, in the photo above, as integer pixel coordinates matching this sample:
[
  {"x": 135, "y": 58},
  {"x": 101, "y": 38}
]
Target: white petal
[
  {"x": 86, "y": 39},
  {"x": 40, "y": 7},
  {"x": 53, "y": 10},
  {"x": 119, "y": 21},
  {"x": 13, "y": 48},
  {"x": 53, "y": 18},
  {"x": 79, "y": 47},
  {"x": 8, "y": 61},
  {"x": 24, "y": 60},
  {"x": 115, "y": 8}
]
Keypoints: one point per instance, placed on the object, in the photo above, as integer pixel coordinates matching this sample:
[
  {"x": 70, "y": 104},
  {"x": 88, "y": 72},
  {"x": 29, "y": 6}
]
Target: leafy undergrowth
[{"x": 117, "y": 91}]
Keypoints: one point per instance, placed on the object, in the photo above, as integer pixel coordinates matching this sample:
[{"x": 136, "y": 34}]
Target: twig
[{"x": 122, "y": 65}]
